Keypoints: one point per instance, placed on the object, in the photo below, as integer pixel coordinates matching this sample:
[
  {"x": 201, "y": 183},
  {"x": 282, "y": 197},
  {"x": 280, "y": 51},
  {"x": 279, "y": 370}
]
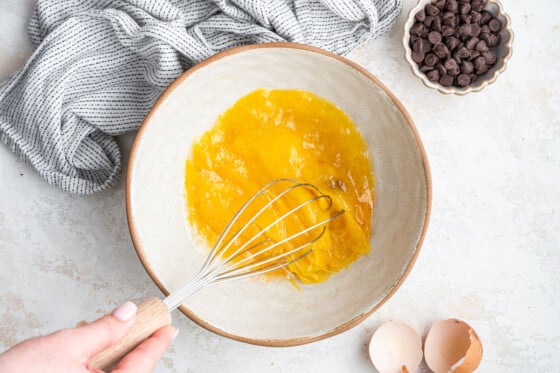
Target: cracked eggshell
[
  {"x": 452, "y": 346},
  {"x": 395, "y": 348}
]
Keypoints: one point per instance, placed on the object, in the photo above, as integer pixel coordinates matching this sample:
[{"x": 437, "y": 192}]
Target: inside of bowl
[{"x": 255, "y": 309}]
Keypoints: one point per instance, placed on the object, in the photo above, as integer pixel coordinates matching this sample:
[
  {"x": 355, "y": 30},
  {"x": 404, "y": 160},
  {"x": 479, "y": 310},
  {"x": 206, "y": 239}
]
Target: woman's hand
[{"x": 69, "y": 350}]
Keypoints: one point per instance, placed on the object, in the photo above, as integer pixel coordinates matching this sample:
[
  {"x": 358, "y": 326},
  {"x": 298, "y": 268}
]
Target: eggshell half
[
  {"x": 452, "y": 346},
  {"x": 395, "y": 348}
]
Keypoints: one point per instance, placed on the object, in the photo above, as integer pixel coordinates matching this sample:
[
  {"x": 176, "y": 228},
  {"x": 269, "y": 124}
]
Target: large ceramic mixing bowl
[{"x": 275, "y": 313}]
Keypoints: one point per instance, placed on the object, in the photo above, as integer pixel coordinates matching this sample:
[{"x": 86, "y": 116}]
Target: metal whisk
[
  {"x": 253, "y": 257},
  {"x": 218, "y": 268}
]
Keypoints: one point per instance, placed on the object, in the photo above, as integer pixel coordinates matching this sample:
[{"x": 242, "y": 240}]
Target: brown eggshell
[
  {"x": 452, "y": 346},
  {"x": 472, "y": 357}
]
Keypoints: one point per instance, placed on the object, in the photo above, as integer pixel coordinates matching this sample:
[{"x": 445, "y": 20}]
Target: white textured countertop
[{"x": 491, "y": 256}]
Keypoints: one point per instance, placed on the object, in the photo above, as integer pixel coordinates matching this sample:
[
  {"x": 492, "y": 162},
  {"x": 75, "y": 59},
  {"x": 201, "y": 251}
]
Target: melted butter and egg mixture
[{"x": 271, "y": 134}]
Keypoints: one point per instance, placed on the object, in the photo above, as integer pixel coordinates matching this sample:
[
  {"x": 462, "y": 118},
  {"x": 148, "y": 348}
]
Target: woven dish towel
[{"x": 100, "y": 65}]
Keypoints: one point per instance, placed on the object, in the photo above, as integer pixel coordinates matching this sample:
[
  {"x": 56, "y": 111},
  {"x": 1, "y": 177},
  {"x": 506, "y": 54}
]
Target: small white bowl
[
  {"x": 274, "y": 313},
  {"x": 503, "y": 51}
]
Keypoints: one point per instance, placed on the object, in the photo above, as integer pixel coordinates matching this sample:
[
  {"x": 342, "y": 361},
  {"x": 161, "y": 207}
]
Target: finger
[
  {"x": 93, "y": 370},
  {"x": 100, "y": 334},
  {"x": 145, "y": 356}
]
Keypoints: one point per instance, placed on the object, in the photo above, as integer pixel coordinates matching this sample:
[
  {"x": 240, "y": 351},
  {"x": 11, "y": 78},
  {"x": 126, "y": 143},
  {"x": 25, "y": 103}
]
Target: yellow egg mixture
[{"x": 271, "y": 134}]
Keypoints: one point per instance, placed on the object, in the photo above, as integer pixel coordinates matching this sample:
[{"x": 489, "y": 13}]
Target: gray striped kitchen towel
[{"x": 101, "y": 64}]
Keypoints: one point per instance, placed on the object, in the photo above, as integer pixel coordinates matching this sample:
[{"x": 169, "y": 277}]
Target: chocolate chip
[
  {"x": 433, "y": 75},
  {"x": 495, "y": 25},
  {"x": 490, "y": 57},
  {"x": 474, "y": 77},
  {"x": 485, "y": 17},
  {"x": 425, "y": 68},
  {"x": 485, "y": 36},
  {"x": 465, "y": 18},
  {"x": 474, "y": 54},
  {"x": 448, "y": 19},
  {"x": 442, "y": 70},
  {"x": 446, "y": 80},
  {"x": 475, "y": 16},
  {"x": 481, "y": 46},
  {"x": 417, "y": 45},
  {"x": 420, "y": 16},
  {"x": 452, "y": 22},
  {"x": 432, "y": 10},
  {"x": 454, "y": 71},
  {"x": 467, "y": 67},
  {"x": 463, "y": 80},
  {"x": 475, "y": 29},
  {"x": 425, "y": 32},
  {"x": 491, "y": 40},
  {"x": 447, "y": 30},
  {"x": 440, "y": 4},
  {"x": 426, "y": 46},
  {"x": 470, "y": 44},
  {"x": 464, "y": 8},
  {"x": 417, "y": 29},
  {"x": 429, "y": 20},
  {"x": 422, "y": 45},
  {"x": 479, "y": 62},
  {"x": 494, "y": 40},
  {"x": 477, "y": 5},
  {"x": 452, "y": 6},
  {"x": 436, "y": 26},
  {"x": 463, "y": 53},
  {"x": 434, "y": 37},
  {"x": 482, "y": 70},
  {"x": 451, "y": 42},
  {"x": 450, "y": 63},
  {"x": 465, "y": 31},
  {"x": 417, "y": 56},
  {"x": 485, "y": 29},
  {"x": 431, "y": 60},
  {"x": 441, "y": 51}
]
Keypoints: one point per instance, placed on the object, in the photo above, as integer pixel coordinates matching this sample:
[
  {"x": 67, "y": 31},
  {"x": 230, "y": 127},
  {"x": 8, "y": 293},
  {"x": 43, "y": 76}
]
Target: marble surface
[{"x": 491, "y": 255}]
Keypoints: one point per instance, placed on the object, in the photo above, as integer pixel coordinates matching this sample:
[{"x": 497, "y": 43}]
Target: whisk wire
[
  {"x": 243, "y": 248},
  {"x": 218, "y": 248},
  {"x": 220, "y": 268},
  {"x": 212, "y": 255},
  {"x": 240, "y": 271}
]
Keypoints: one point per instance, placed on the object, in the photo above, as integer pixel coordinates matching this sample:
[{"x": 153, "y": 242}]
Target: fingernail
[
  {"x": 175, "y": 334},
  {"x": 125, "y": 312}
]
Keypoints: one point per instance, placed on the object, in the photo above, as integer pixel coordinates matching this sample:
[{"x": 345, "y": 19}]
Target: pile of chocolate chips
[{"x": 451, "y": 41}]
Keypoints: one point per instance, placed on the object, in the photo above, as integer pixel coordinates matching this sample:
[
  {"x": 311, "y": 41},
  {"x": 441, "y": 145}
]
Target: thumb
[{"x": 102, "y": 333}]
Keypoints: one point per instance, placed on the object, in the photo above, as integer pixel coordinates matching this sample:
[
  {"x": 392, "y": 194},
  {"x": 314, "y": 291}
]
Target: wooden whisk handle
[{"x": 151, "y": 315}]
